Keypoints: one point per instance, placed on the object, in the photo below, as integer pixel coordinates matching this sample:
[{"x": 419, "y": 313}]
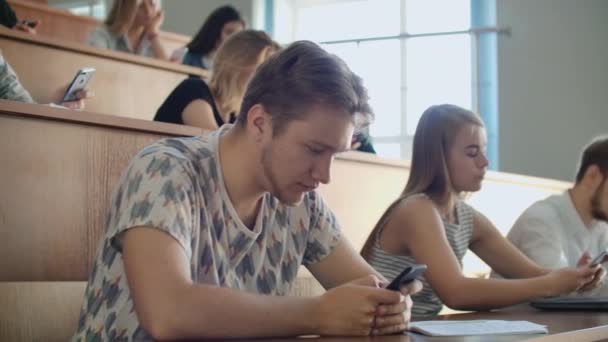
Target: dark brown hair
[
  {"x": 596, "y": 153},
  {"x": 301, "y": 77}
]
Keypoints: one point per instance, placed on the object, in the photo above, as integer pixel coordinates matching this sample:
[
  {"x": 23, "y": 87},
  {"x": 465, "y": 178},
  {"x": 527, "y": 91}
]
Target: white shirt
[{"x": 553, "y": 235}]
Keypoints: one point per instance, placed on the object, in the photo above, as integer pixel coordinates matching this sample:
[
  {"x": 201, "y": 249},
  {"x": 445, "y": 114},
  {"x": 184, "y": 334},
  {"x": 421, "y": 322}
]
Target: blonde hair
[
  {"x": 121, "y": 16},
  {"x": 231, "y": 64},
  {"x": 435, "y": 134}
]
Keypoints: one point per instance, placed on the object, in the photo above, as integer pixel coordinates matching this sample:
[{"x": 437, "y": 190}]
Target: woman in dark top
[
  {"x": 210, "y": 106},
  {"x": 189, "y": 90},
  {"x": 220, "y": 24}
]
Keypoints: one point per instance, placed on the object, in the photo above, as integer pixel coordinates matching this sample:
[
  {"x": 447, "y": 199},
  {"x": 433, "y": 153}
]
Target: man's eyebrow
[{"x": 328, "y": 147}]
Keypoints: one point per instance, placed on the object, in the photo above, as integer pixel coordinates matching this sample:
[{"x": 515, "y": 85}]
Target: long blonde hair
[
  {"x": 429, "y": 174},
  {"x": 121, "y": 16},
  {"x": 236, "y": 56}
]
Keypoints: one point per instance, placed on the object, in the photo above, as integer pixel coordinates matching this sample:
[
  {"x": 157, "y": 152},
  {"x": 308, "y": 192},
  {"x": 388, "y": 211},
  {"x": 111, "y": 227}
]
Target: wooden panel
[
  {"x": 55, "y": 22},
  {"x": 360, "y": 191},
  {"x": 39, "y": 311},
  {"x": 59, "y": 174},
  {"x": 57, "y": 177},
  {"x": 123, "y": 85},
  {"x": 62, "y": 24}
]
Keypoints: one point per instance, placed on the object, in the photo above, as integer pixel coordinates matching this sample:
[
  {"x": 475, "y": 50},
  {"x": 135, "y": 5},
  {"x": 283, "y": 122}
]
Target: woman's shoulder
[
  {"x": 194, "y": 85},
  {"x": 415, "y": 207},
  {"x": 101, "y": 31},
  {"x": 101, "y": 36}
]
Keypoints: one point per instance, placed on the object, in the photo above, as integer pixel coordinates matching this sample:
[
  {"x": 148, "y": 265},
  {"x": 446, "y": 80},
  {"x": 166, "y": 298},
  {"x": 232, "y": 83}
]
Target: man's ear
[
  {"x": 258, "y": 121},
  {"x": 593, "y": 176}
]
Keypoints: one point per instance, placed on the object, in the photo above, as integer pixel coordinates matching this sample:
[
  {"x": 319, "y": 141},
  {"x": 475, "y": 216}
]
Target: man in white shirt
[{"x": 570, "y": 228}]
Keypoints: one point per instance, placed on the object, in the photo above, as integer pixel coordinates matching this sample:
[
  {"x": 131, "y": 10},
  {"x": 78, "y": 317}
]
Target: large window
[{"x": 432, "y": 64}]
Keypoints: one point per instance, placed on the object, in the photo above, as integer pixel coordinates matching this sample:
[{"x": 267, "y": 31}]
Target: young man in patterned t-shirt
[{"x": 206, "y": 234}]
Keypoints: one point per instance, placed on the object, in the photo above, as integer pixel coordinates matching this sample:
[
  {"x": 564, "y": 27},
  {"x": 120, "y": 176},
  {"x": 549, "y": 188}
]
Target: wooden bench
[
  {"x": 124, "y": 84},
  {"x": 59, "y": 169},
  {"x": 61, "y": 24}
]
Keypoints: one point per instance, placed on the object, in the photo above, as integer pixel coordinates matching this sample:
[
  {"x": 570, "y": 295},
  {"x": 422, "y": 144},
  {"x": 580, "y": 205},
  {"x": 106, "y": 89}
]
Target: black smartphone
[
  {"x": 408, "y": 275},
  {"x": 83, "y": 76},
  {"x": 598, "y": 259},
  {"x": 30, "y": 23}
]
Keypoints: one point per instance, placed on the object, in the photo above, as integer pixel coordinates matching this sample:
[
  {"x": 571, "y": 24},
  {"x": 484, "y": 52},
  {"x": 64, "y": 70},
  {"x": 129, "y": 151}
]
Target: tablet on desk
[{"x": 572, "y": 303}]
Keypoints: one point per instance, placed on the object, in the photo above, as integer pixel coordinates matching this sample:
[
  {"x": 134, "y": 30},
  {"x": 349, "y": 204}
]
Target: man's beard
[
  {"x": 269, "y": 174},
  {"x": 596, "y": 203}
]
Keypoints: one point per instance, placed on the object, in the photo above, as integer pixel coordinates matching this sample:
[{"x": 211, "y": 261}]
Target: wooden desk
[
  {"x": 579, "y": 326},
  {"x": 124, "y": 84}
]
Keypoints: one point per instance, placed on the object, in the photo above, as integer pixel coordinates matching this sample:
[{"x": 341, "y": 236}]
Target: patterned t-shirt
[
  {"x": 176, "y": 185},
  {"x": 10, "y": 88}
]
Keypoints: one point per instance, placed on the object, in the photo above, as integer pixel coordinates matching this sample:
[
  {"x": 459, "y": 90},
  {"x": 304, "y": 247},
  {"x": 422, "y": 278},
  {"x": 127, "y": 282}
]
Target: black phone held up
[{"x": 408, "y": 275}]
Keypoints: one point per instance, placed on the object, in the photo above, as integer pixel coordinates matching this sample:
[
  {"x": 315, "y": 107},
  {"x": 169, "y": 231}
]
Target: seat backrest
[{"x": 58, "y": 171}]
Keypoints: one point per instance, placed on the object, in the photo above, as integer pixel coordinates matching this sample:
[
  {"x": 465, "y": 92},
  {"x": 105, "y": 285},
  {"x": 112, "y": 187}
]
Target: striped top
[{"x": 426, "y": 302}]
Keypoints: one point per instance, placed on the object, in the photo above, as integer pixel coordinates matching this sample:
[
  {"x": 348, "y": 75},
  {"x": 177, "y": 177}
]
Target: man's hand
[
  {"x": 78, "y": 104},
  {"x": 391, "y": 319},
  {"x": 363, "y": 307},
  {"x": 598, "y": 276},
  {"x": 350, "y": 309}
]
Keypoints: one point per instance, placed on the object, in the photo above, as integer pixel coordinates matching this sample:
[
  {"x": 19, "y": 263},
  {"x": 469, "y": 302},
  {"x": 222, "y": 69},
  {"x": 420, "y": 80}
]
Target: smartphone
[
  {"x": 80, "y": 81},
  {"x": 408, "y": 275},
  {"x": 598, "y": 259},
  {"x": 30, "y": 23}
]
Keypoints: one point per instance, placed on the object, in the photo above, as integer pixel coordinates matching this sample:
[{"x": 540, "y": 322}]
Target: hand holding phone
[
  {"x": 80, "y": 81},
  {"x": 598, "y": 259},
  {"x": 408, "y": 275},
  {"x": 29, "y": 23}
]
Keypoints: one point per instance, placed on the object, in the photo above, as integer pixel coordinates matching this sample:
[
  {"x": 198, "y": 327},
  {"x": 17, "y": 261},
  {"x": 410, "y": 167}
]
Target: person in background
[
  {"x": 570, "y": 228},
  {"x": 206, "y": 234},
  {"x": 132, "y": 26},
  {"x": 8, "y": 18},
  {"x": 11, "y": 89},
  {"x": 194, "y": 103},
  {"x": 431, "y": 224},
  {"x": 218, "y": 26},
  {"x": 362, "y": 142}
]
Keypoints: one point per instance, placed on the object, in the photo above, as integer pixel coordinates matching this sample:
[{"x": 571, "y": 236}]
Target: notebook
[
  {"x": 476, "y": 327},
  {"x": 571, "y": 303}
]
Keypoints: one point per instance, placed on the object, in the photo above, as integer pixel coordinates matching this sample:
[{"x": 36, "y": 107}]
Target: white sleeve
[{"x": 540, "y": 240}]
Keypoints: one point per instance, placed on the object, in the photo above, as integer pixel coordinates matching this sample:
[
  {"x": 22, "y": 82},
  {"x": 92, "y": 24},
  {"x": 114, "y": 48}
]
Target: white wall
[
  {"x": 553, "y": 83},
  {"x": 187, "y": 16}
]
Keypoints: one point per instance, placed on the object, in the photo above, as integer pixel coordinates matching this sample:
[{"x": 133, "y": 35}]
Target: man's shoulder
[
  {"x": 543, "y": 213},
  {"x": 191, "y": 150},
  {"x": 548, "y": 208}
]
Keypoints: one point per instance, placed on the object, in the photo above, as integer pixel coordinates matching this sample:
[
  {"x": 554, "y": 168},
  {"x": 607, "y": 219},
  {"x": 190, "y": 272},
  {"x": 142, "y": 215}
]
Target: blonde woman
[
  {"x": 430, "y": 224},
  {"x": 132, "y": 26},
  {"x": 195, "y": 103}
]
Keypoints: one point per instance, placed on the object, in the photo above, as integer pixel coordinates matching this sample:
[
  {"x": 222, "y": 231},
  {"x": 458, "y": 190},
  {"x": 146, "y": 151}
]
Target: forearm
[
  {"x": 485, "y": 294},
  {"x": 203, "y": 311},
  {"x": 157, "y": 47}
]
